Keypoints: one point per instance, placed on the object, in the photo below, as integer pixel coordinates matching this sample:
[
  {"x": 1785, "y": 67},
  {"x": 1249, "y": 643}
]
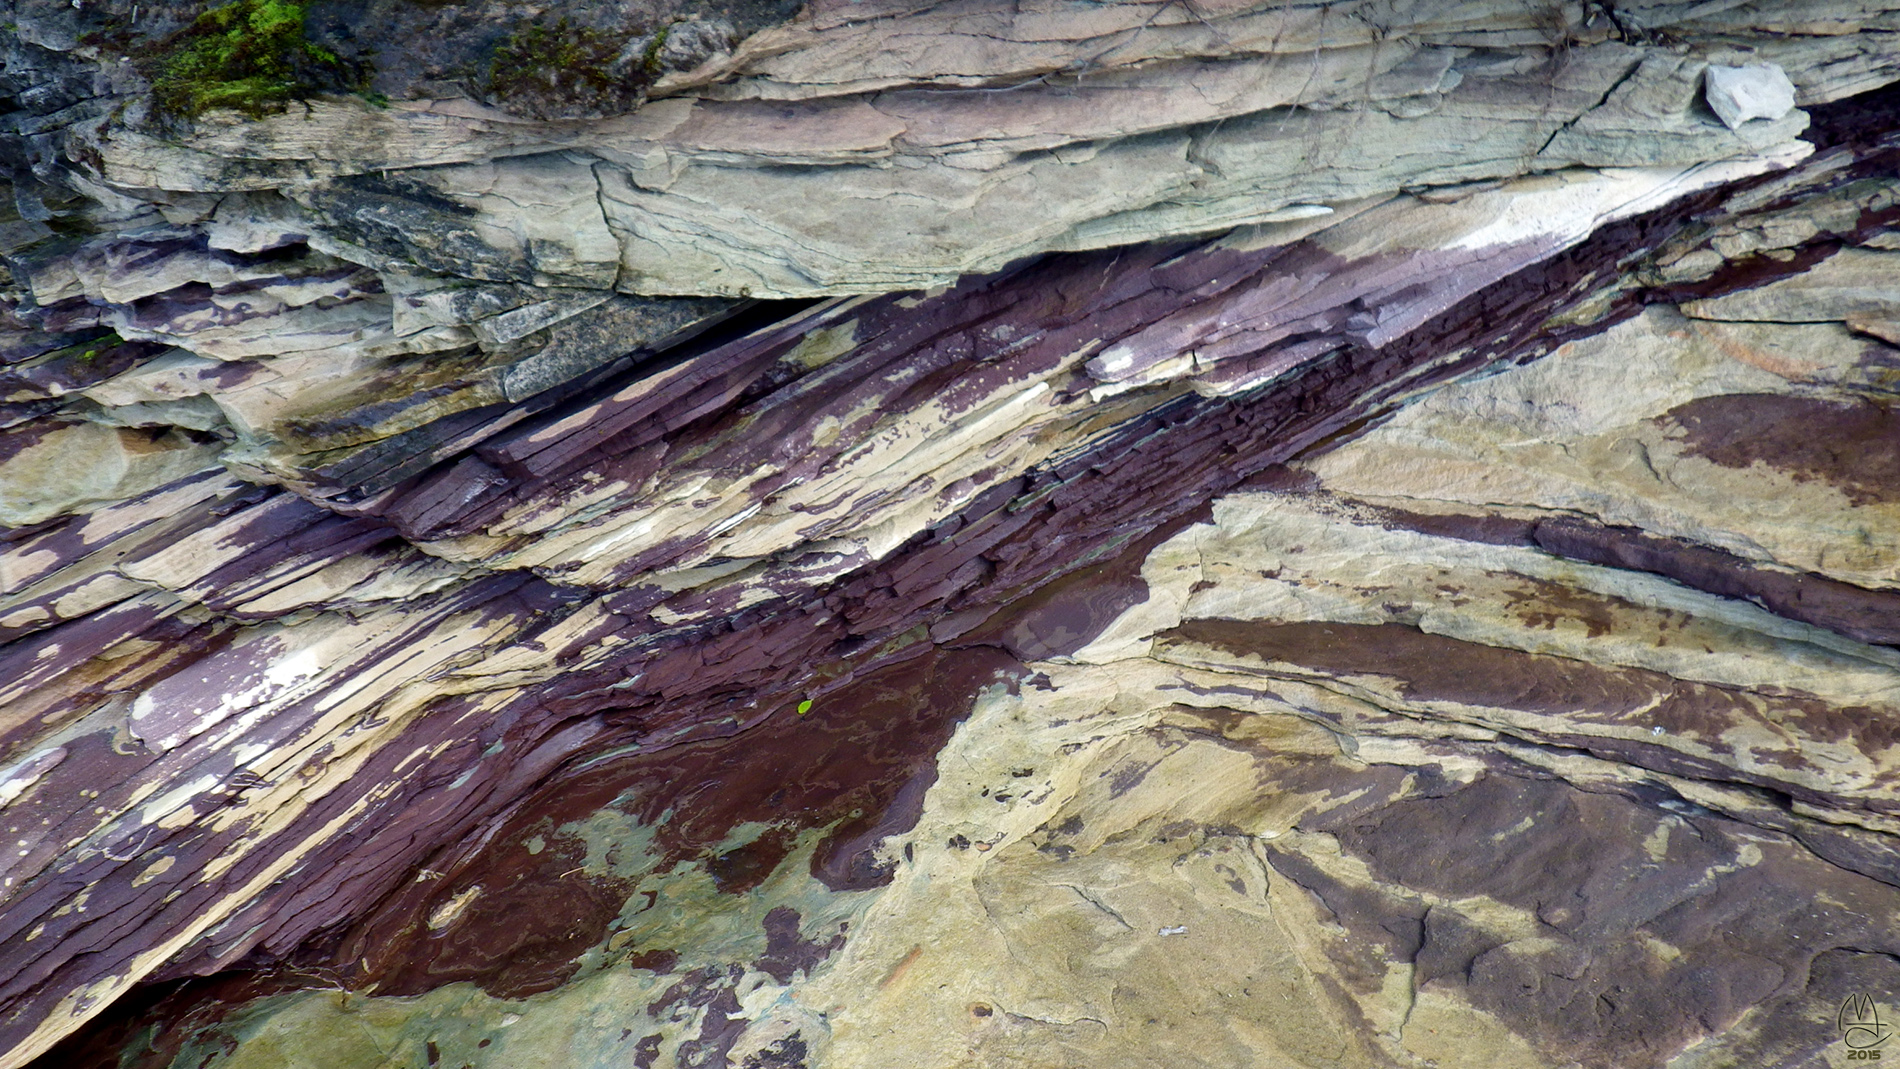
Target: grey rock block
[{"x": 1757, "y": 91}]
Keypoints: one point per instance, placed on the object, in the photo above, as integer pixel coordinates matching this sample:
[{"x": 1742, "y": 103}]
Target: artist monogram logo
[{"x": 1861, "y": 1028}]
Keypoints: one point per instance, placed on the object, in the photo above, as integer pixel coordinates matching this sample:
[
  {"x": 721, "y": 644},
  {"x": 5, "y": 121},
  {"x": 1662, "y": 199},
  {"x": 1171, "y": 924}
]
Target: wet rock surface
[{"x": 958, "y": 535}]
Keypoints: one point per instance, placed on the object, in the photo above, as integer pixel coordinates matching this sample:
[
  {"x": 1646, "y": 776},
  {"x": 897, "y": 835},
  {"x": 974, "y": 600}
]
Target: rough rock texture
[
  {"x": 868, "y": 147},
  {"x": 965, "y": 534}
]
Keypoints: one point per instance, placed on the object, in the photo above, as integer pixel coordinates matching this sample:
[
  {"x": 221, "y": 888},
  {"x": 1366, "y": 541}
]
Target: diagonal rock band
[{"x": 965, "y": 534}]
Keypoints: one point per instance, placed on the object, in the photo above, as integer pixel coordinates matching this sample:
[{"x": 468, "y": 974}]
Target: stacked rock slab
[{"x": 974, "y": 534}]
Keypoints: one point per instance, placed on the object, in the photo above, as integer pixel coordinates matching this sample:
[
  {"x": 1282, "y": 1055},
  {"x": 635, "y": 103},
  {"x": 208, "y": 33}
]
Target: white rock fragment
[{"x": 1757, "y": 91}]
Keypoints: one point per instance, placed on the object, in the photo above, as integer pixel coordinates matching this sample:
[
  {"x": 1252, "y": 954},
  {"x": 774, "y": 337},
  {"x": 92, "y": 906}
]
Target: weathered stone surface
[
  {"x": 839, "y": 153},
  {"x": 1745, "y": 94},
  {"x": 51, "y": 467},
  {"x": 1407, "y": 573}
]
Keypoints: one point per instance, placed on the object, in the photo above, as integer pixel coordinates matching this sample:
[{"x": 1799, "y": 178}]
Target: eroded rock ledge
[{"x": 1122, "y": 534}]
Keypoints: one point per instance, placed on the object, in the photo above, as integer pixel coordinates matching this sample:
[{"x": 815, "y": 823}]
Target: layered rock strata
[{"x": 1378, "y": 549}]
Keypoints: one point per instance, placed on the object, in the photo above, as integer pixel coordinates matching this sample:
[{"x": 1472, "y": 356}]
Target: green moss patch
[
  {"x": 555, "y": 67},
  {"x": 250, "y": 55}
]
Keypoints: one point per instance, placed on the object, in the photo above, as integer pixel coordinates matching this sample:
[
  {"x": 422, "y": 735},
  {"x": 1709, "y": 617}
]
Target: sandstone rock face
[{"x": 968, "y": 534}]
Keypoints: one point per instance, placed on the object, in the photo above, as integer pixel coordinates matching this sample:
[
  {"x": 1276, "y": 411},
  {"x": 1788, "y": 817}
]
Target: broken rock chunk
[{"x": 1742, "y": 94}]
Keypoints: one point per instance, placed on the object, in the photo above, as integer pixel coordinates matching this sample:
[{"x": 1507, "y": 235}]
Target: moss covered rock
[{"x": 251, "y": 55}]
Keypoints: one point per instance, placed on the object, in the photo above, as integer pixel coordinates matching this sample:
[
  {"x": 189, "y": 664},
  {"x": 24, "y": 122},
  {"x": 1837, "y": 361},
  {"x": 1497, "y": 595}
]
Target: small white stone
[{"x": 1757, "y": 91}]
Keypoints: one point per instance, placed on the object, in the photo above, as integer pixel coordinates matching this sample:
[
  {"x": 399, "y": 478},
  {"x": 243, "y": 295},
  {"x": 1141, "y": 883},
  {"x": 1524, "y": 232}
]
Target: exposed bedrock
[{"x": 1362, "y": 534}]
